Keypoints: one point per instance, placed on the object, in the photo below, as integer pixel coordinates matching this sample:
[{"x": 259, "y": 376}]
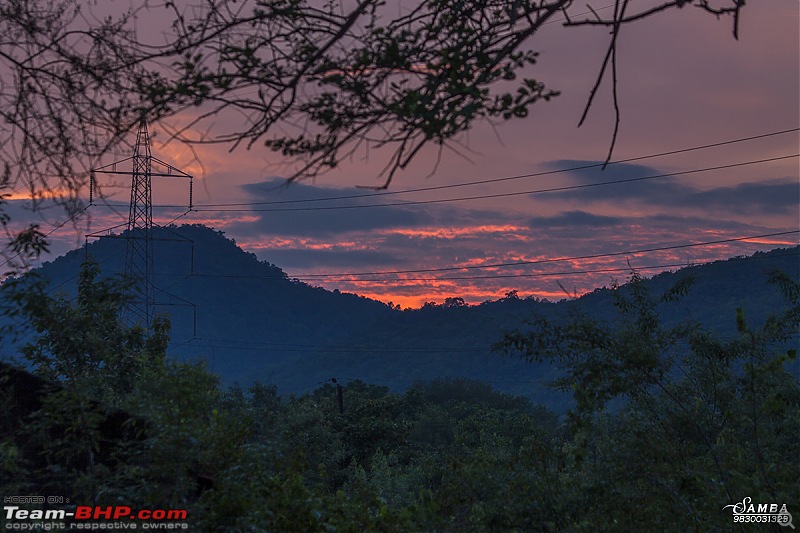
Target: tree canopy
[
  {"x": 315, "y": 82},
  {"x": 671, "y": 424}
]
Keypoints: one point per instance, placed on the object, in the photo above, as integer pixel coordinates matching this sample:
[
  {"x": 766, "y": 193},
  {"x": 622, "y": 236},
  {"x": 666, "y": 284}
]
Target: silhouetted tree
[
  {"x": 673, "y": 418},
  {"x": 312, "y": 82}
]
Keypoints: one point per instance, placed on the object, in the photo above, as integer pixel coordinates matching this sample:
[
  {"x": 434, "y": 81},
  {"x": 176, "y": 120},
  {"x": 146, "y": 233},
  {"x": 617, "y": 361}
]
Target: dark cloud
[
  {"x": 570, "y": 220},
  {"x": 585, "y": 231},
  {"x": 46, "y": 212},
  {"x": 573, "y": 219},
  {"x": 775, "y": 196},
  {"x": 661, "y": 221},
  {"x": 309, "y": 258},
  {"x": 571, "y": 233},
  {"x": 592, "y": 171},
  {"x": 315, "y": 218}
]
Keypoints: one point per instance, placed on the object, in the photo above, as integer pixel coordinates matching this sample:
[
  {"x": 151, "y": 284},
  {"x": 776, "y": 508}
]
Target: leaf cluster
[{"x": 671, "y": 422}]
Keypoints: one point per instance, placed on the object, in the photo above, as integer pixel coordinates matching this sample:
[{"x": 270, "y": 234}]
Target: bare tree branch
[{"x": 312, "y": 83}]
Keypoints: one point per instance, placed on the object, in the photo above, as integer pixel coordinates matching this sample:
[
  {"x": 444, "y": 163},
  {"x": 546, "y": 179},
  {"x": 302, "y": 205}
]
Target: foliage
[
  {"x": 83, "y": 342},
  {"x": 356, "y": 75},
  {"x": 707, "y": 421},
  {"x": 671, "y": 424}
]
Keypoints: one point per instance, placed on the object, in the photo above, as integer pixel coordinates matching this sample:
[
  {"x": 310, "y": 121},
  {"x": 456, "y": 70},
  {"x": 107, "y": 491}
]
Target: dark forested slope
[{"x": 253, "y": 323}]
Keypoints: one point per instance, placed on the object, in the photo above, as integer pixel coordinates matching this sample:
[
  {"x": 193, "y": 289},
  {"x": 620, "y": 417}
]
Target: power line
[
  {"x": 347, "y": 275},
  {"x": 491, "y": 180},
  {"x": 56, "y": 228},
  {"x": 508, "y": 178},
  {"x": 560, "y": 259},
  {"x": 285, "y": 347},
  {"x": 139, "y": 261},
  {"x": 547, "y": 274},
  {"x": 480, "y": 182},
  {"x": 500, "y": 276},
  {"x": 529, "y": 262},
  {"x": 505, "y": 195},
  {"x": 261, "y": 346}
]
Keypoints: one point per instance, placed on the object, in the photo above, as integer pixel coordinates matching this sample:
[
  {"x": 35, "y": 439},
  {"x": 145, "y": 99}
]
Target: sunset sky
[{"x": 684, "y": 82}]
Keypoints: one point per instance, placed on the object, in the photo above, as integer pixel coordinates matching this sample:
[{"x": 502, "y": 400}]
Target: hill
[{"x": 253, "y": 323}]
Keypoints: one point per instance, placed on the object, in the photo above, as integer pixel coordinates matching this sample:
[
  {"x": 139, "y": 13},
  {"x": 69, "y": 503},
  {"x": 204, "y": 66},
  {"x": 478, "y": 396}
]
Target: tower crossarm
[{"x": 139, "y": 228}]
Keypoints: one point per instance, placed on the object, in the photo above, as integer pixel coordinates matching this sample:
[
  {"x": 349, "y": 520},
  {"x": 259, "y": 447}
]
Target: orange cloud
[{"x": 454, "y": 232}]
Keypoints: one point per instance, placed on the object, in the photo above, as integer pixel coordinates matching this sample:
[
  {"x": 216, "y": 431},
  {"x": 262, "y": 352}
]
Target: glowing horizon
[{"x": 749, "y": 88}]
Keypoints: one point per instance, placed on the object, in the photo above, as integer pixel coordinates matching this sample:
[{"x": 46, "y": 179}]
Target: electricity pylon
[{"x": 139, "y": 230}]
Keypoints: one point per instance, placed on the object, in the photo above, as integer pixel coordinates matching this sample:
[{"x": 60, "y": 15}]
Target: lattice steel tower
[
  {"x": 139, "y": 229},
  {"x": 139, "y": 239}
]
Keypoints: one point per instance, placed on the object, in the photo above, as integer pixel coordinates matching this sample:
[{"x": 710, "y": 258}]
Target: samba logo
[{"x": 747, "y": 511}]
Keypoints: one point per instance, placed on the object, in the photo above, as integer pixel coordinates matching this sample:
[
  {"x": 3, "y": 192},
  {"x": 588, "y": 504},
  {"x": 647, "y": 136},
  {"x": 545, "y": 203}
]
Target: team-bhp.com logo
[
  {"x": 93, "y": 517},
  {"x": 747, "y": 511}
]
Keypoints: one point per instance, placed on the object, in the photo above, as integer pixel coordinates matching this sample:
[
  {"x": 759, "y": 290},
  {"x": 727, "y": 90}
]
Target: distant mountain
[{"x": 253, "y": 323}]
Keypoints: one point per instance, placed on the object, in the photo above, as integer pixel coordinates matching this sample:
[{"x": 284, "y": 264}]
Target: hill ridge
[{"x": 254, "y": 323}]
